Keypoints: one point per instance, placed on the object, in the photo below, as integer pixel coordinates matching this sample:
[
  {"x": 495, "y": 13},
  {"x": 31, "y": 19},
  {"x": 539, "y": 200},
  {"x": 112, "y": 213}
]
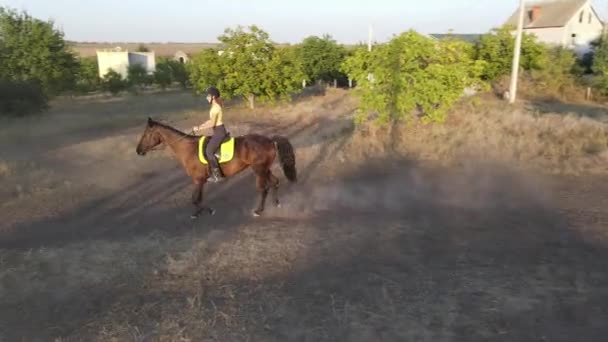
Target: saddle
[
  {"x": 208, "y": 138},
  {"x": 225, "y": 152}
]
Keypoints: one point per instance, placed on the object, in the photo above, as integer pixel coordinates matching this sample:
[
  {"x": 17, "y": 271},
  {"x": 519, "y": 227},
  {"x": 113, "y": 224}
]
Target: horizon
[{"x": 347, "y": 23}]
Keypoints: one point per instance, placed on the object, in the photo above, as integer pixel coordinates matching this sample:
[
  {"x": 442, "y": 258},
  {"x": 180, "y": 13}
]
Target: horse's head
[{"x": 150, "y": 139}]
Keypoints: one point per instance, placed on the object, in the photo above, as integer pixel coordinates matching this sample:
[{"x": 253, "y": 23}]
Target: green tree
[
  {"x": 87, "y": 78},
  {"x": 244, "y": 61},
  {"x": 412, "y": 72},
  {"x": 600, "y": 57},
  {"x": 179, "y": 73},
  {"x": 113, "y": 82},
  {"x": 137, "y": 76},
  {"x": 163, "y": 75},
  {"x": 142, "y": 48},
  {"x": 250, "y": 66},
  {"x": 321, "y": 58},
  {"x": 205, "y": 70},
  {"x": 497, "y": 46},
  {"x": 33, "y": 50}
]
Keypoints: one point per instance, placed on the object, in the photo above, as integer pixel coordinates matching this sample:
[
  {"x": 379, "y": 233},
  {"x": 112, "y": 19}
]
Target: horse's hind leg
[
  {"x": 262, "y": 185},
  {"x": 197, "y": 200},
  {"x": 274, "y": 185}
]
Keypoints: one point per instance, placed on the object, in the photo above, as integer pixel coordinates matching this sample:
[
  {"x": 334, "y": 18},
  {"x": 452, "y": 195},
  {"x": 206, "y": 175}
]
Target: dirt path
[{"x": 384, "y": 251}]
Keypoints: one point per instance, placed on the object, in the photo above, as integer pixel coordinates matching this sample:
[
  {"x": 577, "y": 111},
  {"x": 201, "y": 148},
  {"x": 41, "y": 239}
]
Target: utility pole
[
  {"x": 370, "y": 76},
  {"x": 369, "y": 38},
  {"x": 516, "y": 52}
]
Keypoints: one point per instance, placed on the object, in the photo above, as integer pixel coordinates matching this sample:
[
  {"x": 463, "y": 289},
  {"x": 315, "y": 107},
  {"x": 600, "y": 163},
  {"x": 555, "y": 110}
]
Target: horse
[{"x": 254, "y": 151}]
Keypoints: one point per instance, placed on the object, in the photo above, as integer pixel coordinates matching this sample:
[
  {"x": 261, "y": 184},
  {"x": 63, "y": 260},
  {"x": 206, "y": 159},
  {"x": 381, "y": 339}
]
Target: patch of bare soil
[{"x": 385, "y": 248}]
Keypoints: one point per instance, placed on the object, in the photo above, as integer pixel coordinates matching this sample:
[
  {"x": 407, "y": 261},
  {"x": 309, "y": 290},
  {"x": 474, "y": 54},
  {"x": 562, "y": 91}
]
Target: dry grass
[
  {"x": 483, "y": 128},
  {"x": 389, "y": 251}
]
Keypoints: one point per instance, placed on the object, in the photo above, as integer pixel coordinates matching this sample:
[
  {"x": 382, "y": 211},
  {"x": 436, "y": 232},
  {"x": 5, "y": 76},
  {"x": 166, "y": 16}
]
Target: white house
[
  {"x": 569, "y": 23},
  {"x": 181, "y": 56},
  {"x": 119, "y": 61}
]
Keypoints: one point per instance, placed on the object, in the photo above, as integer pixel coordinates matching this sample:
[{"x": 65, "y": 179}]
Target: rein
[{"x": 164, "y": 144}]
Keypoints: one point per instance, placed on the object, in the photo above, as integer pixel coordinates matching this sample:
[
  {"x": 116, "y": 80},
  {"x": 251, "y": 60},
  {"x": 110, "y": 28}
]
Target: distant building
[
  {"x": 181, "y": 56},
  {"x": 569, "y": 23},
  {"x": 119, "y": 61}
]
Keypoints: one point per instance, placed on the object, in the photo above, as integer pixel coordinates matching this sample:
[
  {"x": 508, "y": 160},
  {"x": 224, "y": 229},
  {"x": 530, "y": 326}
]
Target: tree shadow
[
  {"x": 405, "y": 255},
  {"x": 592, "y": 111}
]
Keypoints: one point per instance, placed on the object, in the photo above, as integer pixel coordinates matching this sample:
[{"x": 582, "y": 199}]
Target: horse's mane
[{"x": 173, "y": 129}]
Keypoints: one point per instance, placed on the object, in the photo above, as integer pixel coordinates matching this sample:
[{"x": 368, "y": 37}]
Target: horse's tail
[{"x": 287, "y": 158}]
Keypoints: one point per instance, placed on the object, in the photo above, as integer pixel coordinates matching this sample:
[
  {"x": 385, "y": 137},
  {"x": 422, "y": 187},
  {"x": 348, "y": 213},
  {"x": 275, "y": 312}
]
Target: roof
[
  {"x": 467, "y": 37},
  {"x": 552, "y": 14}
]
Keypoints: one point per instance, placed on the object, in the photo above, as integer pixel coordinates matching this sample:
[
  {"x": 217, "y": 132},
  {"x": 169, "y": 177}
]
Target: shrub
[
  {"x": 412, "y": 72},
  {"x": 19, "y": 98},
  {"x": 113, "y": 82}
]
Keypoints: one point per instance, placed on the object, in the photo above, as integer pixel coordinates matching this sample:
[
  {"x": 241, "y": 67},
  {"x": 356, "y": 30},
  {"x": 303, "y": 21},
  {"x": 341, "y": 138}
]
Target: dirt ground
[{"x": 96, "y": 242}]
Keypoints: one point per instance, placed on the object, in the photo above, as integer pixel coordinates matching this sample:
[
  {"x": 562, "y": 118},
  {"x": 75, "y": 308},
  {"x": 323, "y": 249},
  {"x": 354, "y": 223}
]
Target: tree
[
  {"x": 113, "y": 82},
  {"x": 87, "y": 78},
  {"x": 179, "y": 73},
  {"x": 34, "y": 51},
  {"x": 163, "y": 75},
  {"x": 142, "y": 48},
  {"x": 244, "y": 61},
  {"x": 249, "y": 66},
  {"x": 497, "y": 46},
  {"x": 205, "y": 70},
  {"x": 412, "y": 72},
  {"x": 600, "y": 57},
  {"x": 321, "y": 58},
  {"x": 137, "y": 76}
]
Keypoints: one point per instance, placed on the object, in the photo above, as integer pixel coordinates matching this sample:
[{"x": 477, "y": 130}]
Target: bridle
[{"x": 163, "y": 145}]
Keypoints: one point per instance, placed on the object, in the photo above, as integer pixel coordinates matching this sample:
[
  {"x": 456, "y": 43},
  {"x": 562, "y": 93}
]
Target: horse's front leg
[{"x": 197, "y": 199}]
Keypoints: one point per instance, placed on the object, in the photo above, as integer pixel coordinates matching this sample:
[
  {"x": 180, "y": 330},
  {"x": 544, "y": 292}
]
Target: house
[
  {"x": 119, "y": 61},
  {"x": 569, "y": 23},
  {"x": 181, "y": 56}
]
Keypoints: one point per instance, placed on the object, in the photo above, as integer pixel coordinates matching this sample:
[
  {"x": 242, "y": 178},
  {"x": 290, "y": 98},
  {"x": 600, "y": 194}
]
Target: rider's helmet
[{"x": 213, "y": 91}]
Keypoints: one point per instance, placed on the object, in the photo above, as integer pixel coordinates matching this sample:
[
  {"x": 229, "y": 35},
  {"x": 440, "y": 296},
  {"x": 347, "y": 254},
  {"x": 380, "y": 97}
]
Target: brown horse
[{"x": 253, "y": 150}]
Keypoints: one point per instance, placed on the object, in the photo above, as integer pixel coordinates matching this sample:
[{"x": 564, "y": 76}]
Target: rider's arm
[{"x": 209, "y": 123}]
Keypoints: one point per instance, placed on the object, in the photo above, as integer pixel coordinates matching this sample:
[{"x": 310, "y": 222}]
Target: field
[
  {"x": 491, "y": 227},
  {"x": 161, "y": 49}
]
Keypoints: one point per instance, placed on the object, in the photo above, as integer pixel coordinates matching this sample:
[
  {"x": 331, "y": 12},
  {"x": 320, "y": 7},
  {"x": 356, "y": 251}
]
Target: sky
[{"x": 286, "y": 21}]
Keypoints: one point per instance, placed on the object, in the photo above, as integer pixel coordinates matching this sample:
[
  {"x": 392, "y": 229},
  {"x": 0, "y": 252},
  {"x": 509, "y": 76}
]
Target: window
[{"x": 580, "y": 17}]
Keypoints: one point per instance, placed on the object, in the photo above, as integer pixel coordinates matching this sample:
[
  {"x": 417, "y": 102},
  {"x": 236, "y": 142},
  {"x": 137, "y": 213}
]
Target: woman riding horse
[{"x": 216, "y": 121}]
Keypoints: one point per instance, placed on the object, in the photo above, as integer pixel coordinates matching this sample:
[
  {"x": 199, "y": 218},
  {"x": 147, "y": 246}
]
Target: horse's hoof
[
  {"x": 257, "y": 213},
  {"x": 211, "y": 211},
  {"x": 278, "y": 205},
  {"x": 193, "y": 217}
]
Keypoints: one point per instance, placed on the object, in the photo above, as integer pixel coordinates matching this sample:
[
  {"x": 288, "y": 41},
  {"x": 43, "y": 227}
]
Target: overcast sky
[{"x": 285, "y": 20}]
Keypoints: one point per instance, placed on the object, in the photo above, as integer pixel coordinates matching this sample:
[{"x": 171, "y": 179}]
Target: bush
[
  {"x": 163, "y": 75},
  {"x": 19, "y": 98},
  {"x": 137, "y": 76},
  {"x": 113, "y": 82},
  {"x": 321, "y": 59},
  {"x": 557, "y": 76},
  {"x": 250, "y": 66},
  {"x": 496, "y": 49},
  {"x": 87, "y": 78},
  {"x": 32, "y": 49},
  {"x": 412, "y": 72}
]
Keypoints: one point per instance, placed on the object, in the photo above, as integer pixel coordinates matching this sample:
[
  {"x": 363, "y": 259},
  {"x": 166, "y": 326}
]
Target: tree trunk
[{"x": 251, "y": 99}]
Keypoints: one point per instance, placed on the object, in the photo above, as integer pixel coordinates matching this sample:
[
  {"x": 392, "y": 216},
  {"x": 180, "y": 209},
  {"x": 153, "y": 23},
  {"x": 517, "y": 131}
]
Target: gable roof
[
  {"x": 467, "y": 37},
  {"x": 552, "y": 14}
]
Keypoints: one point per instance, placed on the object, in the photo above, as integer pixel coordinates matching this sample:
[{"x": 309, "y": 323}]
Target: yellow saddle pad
[{"x": 224, "y": 154}]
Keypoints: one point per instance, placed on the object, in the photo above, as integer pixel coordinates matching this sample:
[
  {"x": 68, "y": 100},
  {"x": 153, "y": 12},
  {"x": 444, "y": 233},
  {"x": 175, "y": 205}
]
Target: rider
[{"x": 219, "y": 131}]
